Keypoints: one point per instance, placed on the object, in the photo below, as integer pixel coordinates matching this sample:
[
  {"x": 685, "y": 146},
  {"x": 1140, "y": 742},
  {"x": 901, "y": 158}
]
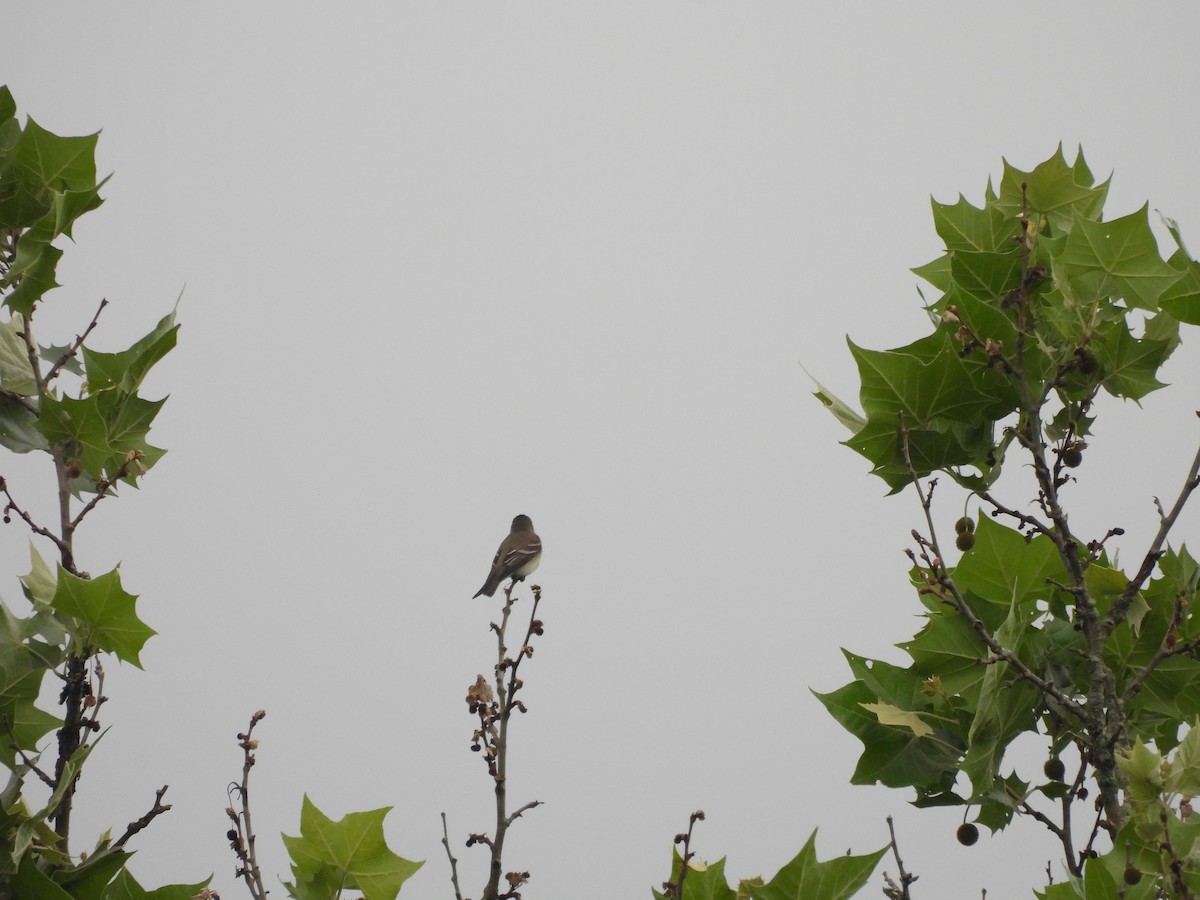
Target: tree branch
[
  {"x": 453, "y": 862},
  {"x": 897, "y": 891},
  {"x": 675, "y": 888},
  {"x": 74, "y": 348},
  {"x": 1120, "y": 607},
  {"x": 155, "y": 811},
  {"x": 241, "y": 836},
  {"x": 494, "y": 718},
  {"x": 959, "y": 603}
]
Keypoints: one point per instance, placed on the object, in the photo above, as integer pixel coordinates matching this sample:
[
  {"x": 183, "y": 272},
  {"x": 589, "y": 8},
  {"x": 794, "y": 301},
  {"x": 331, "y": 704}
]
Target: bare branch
[
  {"x": 1120, "y": 607},
  {"x": 74, "y": 348},
  {"x": 494, "y": 718},
  {"x": 25, "y": 758},
  {"x": 13, "y": 506},
  {"x": 453, "y": 862},
  {"x": 139, "y": 824},
  {"x": 675, "y": 888},
  {"x": 900, "y": 891},
  {"x": 241, "y": 835}
]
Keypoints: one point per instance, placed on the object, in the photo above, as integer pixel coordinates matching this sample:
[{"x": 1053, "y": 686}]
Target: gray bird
[{"x": 518, "y": 556}]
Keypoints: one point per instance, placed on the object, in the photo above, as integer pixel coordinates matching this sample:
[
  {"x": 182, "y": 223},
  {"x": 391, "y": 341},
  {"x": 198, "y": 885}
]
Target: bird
[{"x": 518, "y": 556}]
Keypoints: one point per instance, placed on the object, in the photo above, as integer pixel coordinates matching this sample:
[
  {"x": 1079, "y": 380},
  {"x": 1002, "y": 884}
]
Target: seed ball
[
  {"x": 1054, "y": 769},
  {"x": 1087, "y": 361}
]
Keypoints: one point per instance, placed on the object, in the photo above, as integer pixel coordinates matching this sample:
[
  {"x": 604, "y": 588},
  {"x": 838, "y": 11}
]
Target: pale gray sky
[{"x": 449, "y": 262}]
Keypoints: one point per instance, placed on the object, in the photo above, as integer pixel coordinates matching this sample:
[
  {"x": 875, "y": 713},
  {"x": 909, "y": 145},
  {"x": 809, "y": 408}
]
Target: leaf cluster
[
  {"x": 1040, "y": 298},
  {"x": 1034, "y": 631},
  {"x": 94, "y": 431},
  {"x": 805, "y": 876}
]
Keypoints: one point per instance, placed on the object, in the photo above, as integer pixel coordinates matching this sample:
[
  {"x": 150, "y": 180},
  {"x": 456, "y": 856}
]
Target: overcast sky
[{"x": 443, "y": 263}]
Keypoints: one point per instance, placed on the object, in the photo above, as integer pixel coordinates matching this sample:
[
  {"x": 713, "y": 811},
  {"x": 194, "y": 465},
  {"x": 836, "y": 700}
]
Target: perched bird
[{"x": 518, "y": 556}]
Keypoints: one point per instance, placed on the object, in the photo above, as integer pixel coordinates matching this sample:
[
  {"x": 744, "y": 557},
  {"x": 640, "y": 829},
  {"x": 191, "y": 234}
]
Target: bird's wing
[{"x": 521, "y": 554}]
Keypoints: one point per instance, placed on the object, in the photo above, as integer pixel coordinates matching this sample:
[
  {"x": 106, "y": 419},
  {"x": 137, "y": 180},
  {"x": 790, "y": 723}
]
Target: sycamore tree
[{"x": 1030, "y": 630}]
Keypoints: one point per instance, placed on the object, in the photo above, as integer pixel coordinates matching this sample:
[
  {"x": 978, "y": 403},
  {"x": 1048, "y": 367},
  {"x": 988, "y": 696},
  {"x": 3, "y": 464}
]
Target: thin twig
[
  {"x": 20, "y": 399},
  {"x": 513, "y": 816},
  {"x": 104, "y": 485},
  {"x": 1028, "y": 521},
  {"x": 453, "y": 862},
  {"x": 1166, "y": 649},
  {"x": 1120, "y": 607},
  {"x": 1050, "y": 824},
  {"x": 507, "y": 685},
  {"x": 74, "y": 348},
  {"x": 241, "y": 836},
  {"x": 25, "y": 758},
  {"x": 675, "y": 888},
  {"x": 906, "y": 878},
  {"x": 137, "y": 825},
  {"x": 28, "y": 519}
]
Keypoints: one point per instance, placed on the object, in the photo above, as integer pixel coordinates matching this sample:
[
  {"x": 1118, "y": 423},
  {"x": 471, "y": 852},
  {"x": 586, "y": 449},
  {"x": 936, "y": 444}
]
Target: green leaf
[
  {"x": 1131, "y": 364},
  {"x": 48, "y": 160},
  {"x": 806, "y": 878},
  {"x": 18, "y": 427},
  {"x": 105, "y": 612},
  {"x": 997, "y": 807},
  {"x": 92, "y": 876},
  {"x": 887, "y": 714},
  {"x": 1182, "y": 299},
  {"x": 936, "y": 272},
  {"x": 67, "y": 206},
  {"x": 32, "y": 272},
  {"x": 1118, "y": 258},
  {"x": 29, "y": 828},
  {"x": 27, "y": 725},
  {"x": 1054, "y": 189},
  {"x": 101, "y": 429},
  {"x": 1143, "y": 769},
  {"x": 1105, "y": 585},
  {"x": 1098, "y": 884},
  {"x": 40, "y": 584},
  {"x": 349, "y": 854},
  {"x": 893, "y": 756},
  {"x": 127, "y": 369},
  {"x": 985, "y": 274},
  {"x": 8, "y": 106},
  {"x": 1006, "y": 707},
  {"x": 927, "y": 380},
  {"x": 704, "y": 881},
  {"x": 16, "y": 374},
  {"x": 31, "y": 883},
  {"x": 22, "y": 207},
  {"x": 842, "y": 411},
  {"x": 1004, "y": 568},
  {"x": 23, "y": 664},
  {"x": 1183, "y": 776},
  {"x": 125, "y": 887},
  {"x": 949, "y": 404},
  {"x": 949, "y": 649},
  {"x": 965, "y": 227}
]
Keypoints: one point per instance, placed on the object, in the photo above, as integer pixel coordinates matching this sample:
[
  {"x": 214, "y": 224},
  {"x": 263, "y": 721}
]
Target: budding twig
[{"x": 241, "y": 836}]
